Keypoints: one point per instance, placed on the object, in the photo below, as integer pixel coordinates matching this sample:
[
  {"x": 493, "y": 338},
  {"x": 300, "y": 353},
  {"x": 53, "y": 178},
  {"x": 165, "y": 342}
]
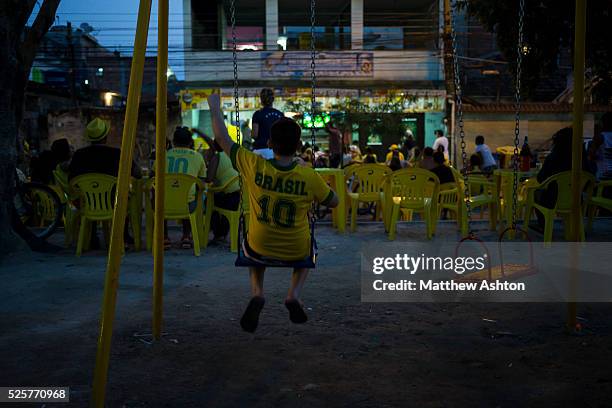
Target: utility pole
[{"x": 73, "y": 95}]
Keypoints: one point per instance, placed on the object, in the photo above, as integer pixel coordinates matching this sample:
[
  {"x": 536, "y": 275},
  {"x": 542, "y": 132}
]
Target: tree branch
[
  {"x": 24, "y": 11},
  {"x": 44, "y": 20}
]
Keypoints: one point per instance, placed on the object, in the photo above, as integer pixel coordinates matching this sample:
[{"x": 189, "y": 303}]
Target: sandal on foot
[
  {"x": 250, "y": 318},
  {"x": 296, "y": 312},
  {"x": 186, "y": 243}
]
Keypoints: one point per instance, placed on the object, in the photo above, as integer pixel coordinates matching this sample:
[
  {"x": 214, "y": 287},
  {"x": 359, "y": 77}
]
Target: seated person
[
  {"x": 395, "y": 163},
  {"x": 600, "y": 153},
  {"x": 369, "y": 157},
  {"x": 600, "y": 149},
  {"x": 98, "y": 157},
  {"x": 488, "y": 161},
  {"x": 321, "y": 159},
  {"x": 475, "y": 163},
  {"x": 63, "y": 152},
  {"x": 444, "y": 173},
  {"x": 347, "y": 157},
  {"x": 183, "y": 159},
  {"x": 558, "y": 160},
  {"x": 307, "y": 157},
  {"x": 43, "y": 165},
  {"x": 280, "y": 195},
  {"x": 427, "y": 162},
  {"x": 355, "y": 155},
  {"x": 220, "y": 172},
  {"x": 393, "y": 148}
]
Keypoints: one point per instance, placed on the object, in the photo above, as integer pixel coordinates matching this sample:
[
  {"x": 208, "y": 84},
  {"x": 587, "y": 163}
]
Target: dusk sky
[{"x": 114, "y": 23}]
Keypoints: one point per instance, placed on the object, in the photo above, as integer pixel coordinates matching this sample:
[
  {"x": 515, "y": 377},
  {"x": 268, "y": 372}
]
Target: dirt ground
[{"x": 349, "y": 354}]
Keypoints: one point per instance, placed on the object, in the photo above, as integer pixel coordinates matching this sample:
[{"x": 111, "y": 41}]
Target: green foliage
[{"x": 549, "y": 28}]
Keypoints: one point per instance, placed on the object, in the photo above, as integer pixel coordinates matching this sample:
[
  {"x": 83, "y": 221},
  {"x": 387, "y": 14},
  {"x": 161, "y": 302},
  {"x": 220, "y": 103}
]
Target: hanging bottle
[{"x": 525, "y": 156}]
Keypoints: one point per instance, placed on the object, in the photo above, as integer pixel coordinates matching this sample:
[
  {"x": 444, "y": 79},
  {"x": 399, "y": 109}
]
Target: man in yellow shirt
[
  {"x": 221, "y": 173},
  {"x": 184, "y": 160},
  {"x": 393, "y": 148},
  {"x": 280, "y": 194}
]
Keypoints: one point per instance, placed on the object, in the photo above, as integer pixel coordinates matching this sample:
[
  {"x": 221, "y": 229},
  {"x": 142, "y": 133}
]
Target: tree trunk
[
  {"x": 8, "y": 133},
  {"x": 17, "y": 50}
]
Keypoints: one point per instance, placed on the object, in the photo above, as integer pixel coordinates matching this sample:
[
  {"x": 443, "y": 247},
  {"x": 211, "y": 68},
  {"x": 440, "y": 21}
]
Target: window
[
  {"x": 205, "y": 33},
  {"x": 211, "y": 25},
  {"x": 332, "y": 30},
  {"x": 400, "y": 25}
]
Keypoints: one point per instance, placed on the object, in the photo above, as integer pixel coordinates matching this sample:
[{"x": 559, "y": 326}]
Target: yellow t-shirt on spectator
[
  {"x": 279, "y": 199},
  {"x": 225, "y": 172},
  {"x": 390, "y": 155}
]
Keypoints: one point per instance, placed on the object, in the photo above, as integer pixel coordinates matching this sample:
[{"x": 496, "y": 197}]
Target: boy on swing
[{"x": 280, "y": 194}]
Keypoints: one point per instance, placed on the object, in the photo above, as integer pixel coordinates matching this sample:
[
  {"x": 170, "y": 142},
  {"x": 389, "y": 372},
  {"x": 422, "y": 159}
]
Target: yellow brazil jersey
[
  {"x": 184, "y": 160},
  {"x": 279, "y": 200}
]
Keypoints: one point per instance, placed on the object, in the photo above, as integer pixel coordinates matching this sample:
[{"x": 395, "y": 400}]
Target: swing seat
[
  {"x": 506, "y": 272},
  {"x": 503, "y": 271},
  {"x": 247, "y": 258}
]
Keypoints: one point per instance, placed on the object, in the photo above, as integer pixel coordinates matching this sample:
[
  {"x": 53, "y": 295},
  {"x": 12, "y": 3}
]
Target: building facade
[
  {"x": 75, "y": 78},
  {"x": 386, "y": 54}
]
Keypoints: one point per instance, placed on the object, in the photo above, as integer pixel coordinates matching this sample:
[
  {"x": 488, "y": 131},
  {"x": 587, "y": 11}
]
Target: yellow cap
[
  {"x": 393, "y": 147},
  {"x": 97, "y": 130}
]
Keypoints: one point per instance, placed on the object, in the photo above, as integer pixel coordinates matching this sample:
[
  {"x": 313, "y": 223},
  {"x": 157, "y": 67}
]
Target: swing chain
[
  {"x": 236, "y": 95},
  {"x": 313, "y": 74},
  {"x": 459, "y": 113},
  {"x": 517, "y": 99},
  {"x": 313, "y": 87},
  {"x": 235, "y": 63}
]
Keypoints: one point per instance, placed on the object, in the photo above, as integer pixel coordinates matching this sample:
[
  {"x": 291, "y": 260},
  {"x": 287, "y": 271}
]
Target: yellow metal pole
[
  {"x": 160, "y": 166},
  {"x": 119, "y": 214},
  {"x": 576, "y": 218}
]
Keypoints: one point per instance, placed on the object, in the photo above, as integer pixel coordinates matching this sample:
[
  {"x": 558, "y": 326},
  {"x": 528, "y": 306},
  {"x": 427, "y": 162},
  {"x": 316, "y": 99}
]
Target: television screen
[{"x": 320, "y": 120}]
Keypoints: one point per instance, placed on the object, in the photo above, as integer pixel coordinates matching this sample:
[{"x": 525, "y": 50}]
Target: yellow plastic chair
[
  {"x": 483, "y": 192},
  {"x": 506, "y": 153},
  {"x": 349, "y": 176},
  {"x": 70, "y": 210},
  {"x": 232, "y": 216},
  {"x": 96, "y": 193},
  {"x": 370, "y": 179},
  {"x": 562, "y": 205},
  {"x": 598, "y": 201},
  {"x": 44, "y": 207},
  {"x": 451, "y": 198},
  {"x": 179, "y": 188},
  {"x": 415, "y": 190}
]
